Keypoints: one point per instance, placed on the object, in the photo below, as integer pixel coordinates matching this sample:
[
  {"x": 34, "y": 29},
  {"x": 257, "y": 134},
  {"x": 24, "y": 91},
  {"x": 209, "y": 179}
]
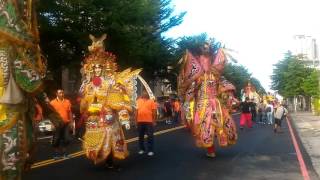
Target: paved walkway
[{"x": 308, "y": 127}]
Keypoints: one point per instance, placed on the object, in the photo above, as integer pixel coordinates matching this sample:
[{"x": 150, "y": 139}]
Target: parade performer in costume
[
  {"x": 108, "y": 97},
  {"x": 22, "y": 70},
  {"x": 269, "y": 98},
  {"x": 229, "y": 105},
  {"x": 250, "y": 91},
  {"x": 199, "y": 80}
]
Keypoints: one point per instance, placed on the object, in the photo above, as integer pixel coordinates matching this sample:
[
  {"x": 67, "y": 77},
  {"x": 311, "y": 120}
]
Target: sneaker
[
  {"x": 150, "y": 153},
  {"x": 211, "y": 155},
  {"x": 141, "y": 152},
  {"x": 57, "y": 156},
  {"x": 65, "y": 156},
  {"x": 110, "y": 166}
]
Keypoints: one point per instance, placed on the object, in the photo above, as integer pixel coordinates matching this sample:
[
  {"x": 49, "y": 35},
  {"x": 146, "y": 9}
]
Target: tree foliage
[
  {"x": 193, "y": 43},
  {"x": 239, "y": 76},
  {"x": 310, "y": 84},
  {"x": 291, "y": 77},
  {"x": 259, "y": 88},
  {"x": 278, "y": 77},
  {"x": 134, "y": 31}
]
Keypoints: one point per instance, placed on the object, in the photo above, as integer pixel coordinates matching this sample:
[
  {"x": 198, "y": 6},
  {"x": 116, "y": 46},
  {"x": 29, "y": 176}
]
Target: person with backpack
[
  {"x": 269, "y": 112},
  {"x": 279, "y": 114}
]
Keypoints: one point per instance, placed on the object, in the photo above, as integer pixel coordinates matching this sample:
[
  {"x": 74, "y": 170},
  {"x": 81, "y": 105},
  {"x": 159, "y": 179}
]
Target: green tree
[
  {"x": 259, "y": 88},
  {"x": 193, "y": 43},
  {"x": 239, "y": 76},
  {"x": 134, "y": 31},
  {"x": 292, "y": 78},
  {"x": 310, "y": 84},
  {"x": 278, "y": 77}
]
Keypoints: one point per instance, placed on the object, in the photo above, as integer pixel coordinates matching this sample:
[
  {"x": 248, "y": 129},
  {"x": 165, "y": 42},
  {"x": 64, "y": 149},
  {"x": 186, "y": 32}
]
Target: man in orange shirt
[
  {"x": 62, "y": 137},
  {"x": 146, "y": 118},
  {"x": 176, "y": 110}
]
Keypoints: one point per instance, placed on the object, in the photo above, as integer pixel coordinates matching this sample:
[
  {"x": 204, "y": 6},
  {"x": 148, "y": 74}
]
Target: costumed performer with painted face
[{"x": 107, "y": 99}]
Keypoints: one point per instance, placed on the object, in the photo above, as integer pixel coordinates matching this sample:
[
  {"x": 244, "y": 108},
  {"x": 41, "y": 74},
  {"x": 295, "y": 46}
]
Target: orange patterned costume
[{"x": 204, "y": 106}]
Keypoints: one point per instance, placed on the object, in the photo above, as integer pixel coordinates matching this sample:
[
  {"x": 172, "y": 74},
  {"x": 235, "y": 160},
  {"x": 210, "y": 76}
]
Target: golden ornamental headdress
[{"x": 98, "y": 56}]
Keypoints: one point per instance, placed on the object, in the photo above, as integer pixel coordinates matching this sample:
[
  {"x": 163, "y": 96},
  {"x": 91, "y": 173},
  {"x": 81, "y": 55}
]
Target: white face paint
[{"x": 97, "y": 70}]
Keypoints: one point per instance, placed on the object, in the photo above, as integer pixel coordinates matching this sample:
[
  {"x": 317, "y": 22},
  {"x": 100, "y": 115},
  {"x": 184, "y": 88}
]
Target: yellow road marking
[{"x": 80, "y": 153}]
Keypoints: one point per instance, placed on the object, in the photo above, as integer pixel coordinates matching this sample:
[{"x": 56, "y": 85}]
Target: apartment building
[{"x": 307, "y": 48}]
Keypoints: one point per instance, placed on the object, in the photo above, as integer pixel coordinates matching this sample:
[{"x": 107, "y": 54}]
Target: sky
[{"x": 260, "y": 31}]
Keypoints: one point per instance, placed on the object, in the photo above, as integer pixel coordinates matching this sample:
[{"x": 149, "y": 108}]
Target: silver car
[{"x": 46, "y": 126}]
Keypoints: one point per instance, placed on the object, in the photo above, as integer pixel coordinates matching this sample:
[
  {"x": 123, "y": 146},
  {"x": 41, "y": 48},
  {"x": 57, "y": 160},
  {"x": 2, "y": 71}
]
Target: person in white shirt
[
  {"x": 269, "y": 112},
  {"x": 279, "y": 114}
]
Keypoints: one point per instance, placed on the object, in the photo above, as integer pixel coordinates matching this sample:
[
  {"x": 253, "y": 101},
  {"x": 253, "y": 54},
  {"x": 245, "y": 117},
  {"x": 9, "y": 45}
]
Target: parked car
[{"x": 46, "y": 126}]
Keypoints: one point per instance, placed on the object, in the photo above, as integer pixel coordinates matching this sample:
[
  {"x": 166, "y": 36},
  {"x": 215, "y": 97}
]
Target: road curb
[
  {"x": 303, "y": 167},
  {"x": 307, "y": 146}
]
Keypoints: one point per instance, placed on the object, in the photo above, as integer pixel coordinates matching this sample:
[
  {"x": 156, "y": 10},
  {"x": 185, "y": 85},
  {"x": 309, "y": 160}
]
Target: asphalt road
[{"x": 259, "y": 154}]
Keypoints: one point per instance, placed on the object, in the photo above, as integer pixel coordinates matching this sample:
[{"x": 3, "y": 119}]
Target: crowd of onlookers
[
  {"x": 264, "y": 112},
  {"x": 168, "y": 109}
]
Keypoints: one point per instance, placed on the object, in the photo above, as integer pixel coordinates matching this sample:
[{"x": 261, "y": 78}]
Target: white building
[{"x": 308, "y": 49}]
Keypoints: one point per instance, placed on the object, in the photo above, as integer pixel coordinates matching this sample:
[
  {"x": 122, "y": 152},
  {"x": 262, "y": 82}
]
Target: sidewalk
[{"x": 308, "y": 128}]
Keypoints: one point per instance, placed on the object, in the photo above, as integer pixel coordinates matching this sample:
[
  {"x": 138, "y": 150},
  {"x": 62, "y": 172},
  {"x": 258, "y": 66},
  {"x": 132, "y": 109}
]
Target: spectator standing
[
  {"x": 146, "y": 119},
  {"x": 279, "y": 114},
  {"x": 269, "y": 112},
  {"x": 176, "y": 110},
  {"x": 161, "y": 110},
  {"x": 168, "y": 111},
  {"x": 261, "y": 112},
  {"x": 253, "y": 109},
  {"x": 246, "y": 118},
  {"x": 62, "y": 136}
]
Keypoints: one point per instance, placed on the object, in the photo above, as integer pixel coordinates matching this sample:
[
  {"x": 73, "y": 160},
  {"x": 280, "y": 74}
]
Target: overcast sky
[{"x": 260, "y": 30}]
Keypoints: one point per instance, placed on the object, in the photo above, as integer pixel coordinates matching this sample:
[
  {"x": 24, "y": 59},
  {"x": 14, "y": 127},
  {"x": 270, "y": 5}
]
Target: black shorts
[{"x": 277, "y": 121}]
